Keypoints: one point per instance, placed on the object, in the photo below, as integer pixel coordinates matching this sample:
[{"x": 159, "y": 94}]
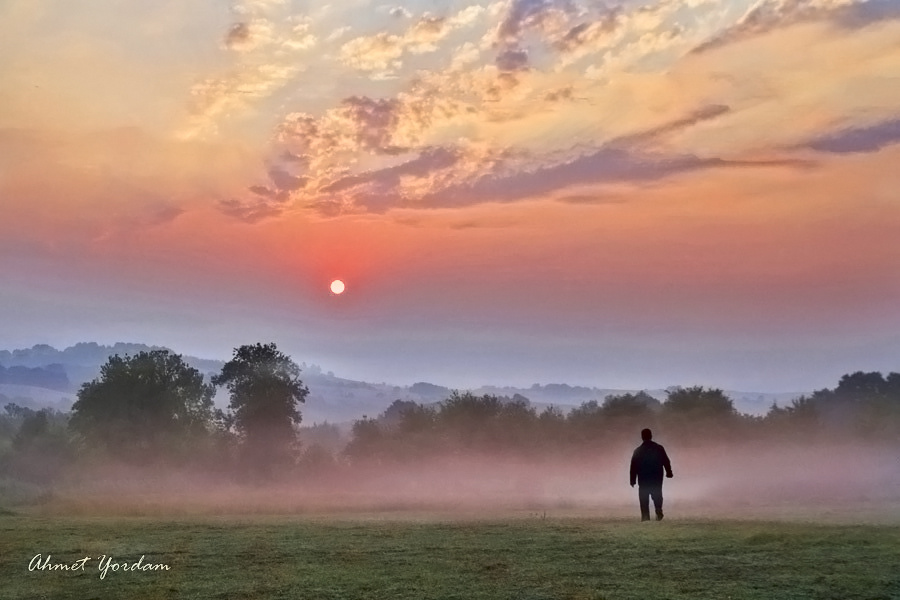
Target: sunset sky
[{"x": 627, "y": 194}]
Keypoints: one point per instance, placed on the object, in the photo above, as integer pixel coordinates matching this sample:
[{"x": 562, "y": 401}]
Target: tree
[
  {"x": 862, "y": 403},
  {"x": 699, "y": 403},
  {"x": 699, "y": 414},
  {"x": 144, "y": 407},
  {"x": 265, "y": 388},
  {"x": 40, "y": 449},
  {"x": 367, "y": 442},
  {"x": 394, "y": 413},
  {"x": 860, "y": 387},
  {"x": 552, "y": 428},
  {"x": 586, "y": 422},
  {"x": 631, "y": 407},
  {"x": 468, "y": 420}
]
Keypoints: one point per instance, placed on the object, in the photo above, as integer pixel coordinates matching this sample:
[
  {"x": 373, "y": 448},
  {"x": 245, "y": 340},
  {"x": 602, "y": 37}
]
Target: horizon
[
  {"x": 512, "y": 191},
  {"x": 323, "y": 370}
]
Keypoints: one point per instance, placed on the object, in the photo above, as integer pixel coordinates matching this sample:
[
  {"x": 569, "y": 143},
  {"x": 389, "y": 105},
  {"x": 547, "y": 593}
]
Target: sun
[{"x": 337, "y": 287}]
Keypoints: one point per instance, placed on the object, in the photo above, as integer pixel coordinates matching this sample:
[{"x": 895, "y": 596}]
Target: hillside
[{"x": 43, "y": 376}]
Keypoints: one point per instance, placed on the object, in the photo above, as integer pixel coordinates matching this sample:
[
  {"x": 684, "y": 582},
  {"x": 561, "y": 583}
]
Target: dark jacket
[{"x": 648, "y": 462}]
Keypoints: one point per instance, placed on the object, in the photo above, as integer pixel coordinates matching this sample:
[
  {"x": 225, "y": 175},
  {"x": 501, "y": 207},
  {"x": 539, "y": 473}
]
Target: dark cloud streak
[
  {"x": 857, "y": 140},
  {"x": 430, "y": 160},
  {"x": 621, "y": 160},
  {"x": 771, "y": 16},
  {"x": 606, "y": 165}
]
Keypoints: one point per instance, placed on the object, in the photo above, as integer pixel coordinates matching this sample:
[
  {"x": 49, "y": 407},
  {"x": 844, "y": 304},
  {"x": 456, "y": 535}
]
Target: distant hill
[
  {"x": 82, "y": 361},
  {"x": 51, "y": 377},
  {"x": 42, "y": 376}
]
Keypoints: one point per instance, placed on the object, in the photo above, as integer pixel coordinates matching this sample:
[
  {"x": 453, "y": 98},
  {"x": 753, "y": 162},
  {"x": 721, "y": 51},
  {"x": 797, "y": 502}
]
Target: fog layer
[{"x": 846, "y": 483}]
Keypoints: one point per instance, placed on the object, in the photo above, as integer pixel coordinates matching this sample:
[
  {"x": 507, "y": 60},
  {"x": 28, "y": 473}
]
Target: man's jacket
[{"x": 648, "y": 462}]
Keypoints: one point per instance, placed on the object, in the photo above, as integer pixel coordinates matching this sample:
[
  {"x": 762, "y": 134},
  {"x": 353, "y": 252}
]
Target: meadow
[{"x": 416, "y": 555}]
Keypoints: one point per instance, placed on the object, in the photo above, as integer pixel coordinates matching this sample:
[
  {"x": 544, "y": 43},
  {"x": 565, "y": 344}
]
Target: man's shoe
[
  {"x": 644, "y": 519},
  {"x": 659, "y": 516}
]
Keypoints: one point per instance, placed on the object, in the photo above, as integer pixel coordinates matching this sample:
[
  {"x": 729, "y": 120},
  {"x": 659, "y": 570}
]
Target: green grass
[{"x": 521, "y": 558}]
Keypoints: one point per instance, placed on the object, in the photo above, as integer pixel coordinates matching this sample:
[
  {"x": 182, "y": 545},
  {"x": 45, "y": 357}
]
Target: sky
[{"x": 625, "y": 194}]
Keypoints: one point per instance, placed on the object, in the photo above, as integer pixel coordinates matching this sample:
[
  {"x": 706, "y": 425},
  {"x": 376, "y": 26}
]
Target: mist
[
  {"x": 141, "y": 445},
  {"x": 844, "y": 482}
]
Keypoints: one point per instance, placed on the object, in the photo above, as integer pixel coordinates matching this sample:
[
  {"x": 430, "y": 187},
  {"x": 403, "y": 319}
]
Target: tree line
[
  {"x": 862, "y": 406},
  {"x": 152, "y": 409}
]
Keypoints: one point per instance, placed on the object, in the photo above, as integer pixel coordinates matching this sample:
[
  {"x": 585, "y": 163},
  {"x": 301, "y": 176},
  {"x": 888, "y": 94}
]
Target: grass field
[{"x": 522, "y": 557}]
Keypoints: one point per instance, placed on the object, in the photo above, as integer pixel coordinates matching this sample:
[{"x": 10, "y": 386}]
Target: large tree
[
  {"x": 144, "y": 407},
  {"x": 629, "y": 407},
  {"x": 863, "y": 403},
  {"x": 698, "y": 415},
  {"x": 265, "y": 389},
  {"x": 699, "y": 403}
]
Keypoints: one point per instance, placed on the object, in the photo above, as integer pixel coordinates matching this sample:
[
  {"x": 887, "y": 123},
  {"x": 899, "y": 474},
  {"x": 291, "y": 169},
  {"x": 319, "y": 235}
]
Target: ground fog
[{"x": 842, "y": 483}]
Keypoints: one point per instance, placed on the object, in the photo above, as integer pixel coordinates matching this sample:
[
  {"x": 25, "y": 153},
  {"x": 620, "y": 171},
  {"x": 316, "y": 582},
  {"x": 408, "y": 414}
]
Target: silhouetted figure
[{"x": 647, "y": 465}]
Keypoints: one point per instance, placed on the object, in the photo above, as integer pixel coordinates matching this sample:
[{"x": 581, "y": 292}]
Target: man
[{"x": 647, "y": 465}]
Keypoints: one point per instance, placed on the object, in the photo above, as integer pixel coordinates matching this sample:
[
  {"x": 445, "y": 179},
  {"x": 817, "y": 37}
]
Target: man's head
[{"x": 646, "y": 435}]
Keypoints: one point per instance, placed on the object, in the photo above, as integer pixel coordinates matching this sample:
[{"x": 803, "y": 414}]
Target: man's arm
[
  {"x": 634, "y": 468},
  {"x": 667, "y": 465}
]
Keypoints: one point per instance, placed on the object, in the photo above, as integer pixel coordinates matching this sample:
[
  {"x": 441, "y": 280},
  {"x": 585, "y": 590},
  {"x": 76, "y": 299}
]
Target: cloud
[
  {"x": 301, "y": 130},
  {"x": 428, "y": 161},
  {"x": 289, "y": 157},
  {"x": 442, "y": 136},
  {"x": 164, "y": 213},
  {"x": 607, "y": 165},
  {"x": 625, "y": 159},
  {"x": 316, "y": 155},
  {"x": 400, "y": 12},
  {"x": 704, "y": 113},
  {"x": 559, "y": 95},
  {"x": 542, "y": 15},
  {"x": 299, "y": 37},
  {"x": 865, "y": 13},
  {"x": 588, "y": 34},
  {"x": 465, "y": 55},
  {"x": 216, "y": 98},
  {"x": 380, "y": 52},
  {"x": 393, "y": 187},
  {"x": 250, "y": 211},
  {"x": 467, "y": 16},
  {"x": 267, "y": 200},
  {"x": 569, "y": 32},
  {"x": 264, "y": 191},
  {"x": 264, "y": 44},
  {"x": 237, "y": 36},
  {"x": 512, "y": 59},
  {"x": 547, "y": 17},
  {"x": 621, "y": 38},
  {"x": 769, "y": 15},
  {"x": 383, "y": 51},
  {"x": 337, "y": 33},
  {"x": 285, "y": 181},
  {"x": 443, "y": 177},
  {"x": 246, "y": 36},
  {"x": 374, "y": 122},
  {"x": 857, "y": 140},
  {"x": 320, "y": 149}
]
